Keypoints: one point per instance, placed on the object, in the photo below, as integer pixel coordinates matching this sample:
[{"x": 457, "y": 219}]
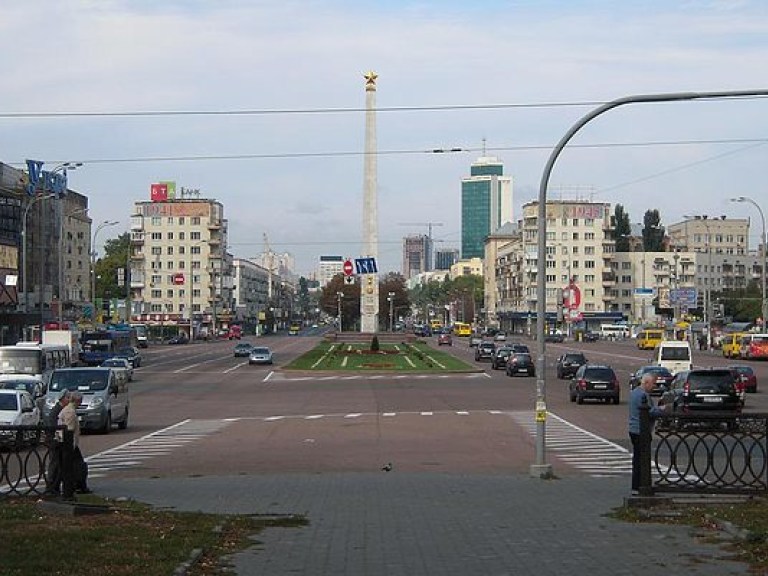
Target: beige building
[
  {"x": 180, "y": 269},
  {"x": 471, "y": 266}
]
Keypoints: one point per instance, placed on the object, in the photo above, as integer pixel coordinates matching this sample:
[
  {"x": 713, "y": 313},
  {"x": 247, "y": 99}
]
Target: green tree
[
  {"x": 653, "y": 232},
  {"x": 116, "y": 256},
  {"x": 741, "y": 305},
  {"x": 622, "y": 228}
]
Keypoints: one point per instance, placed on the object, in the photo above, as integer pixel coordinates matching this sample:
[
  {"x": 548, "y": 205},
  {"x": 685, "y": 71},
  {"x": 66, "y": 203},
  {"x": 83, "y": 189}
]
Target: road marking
[
  {"x": 271, "y": 372},
  {"x": 235, "y": 367}
]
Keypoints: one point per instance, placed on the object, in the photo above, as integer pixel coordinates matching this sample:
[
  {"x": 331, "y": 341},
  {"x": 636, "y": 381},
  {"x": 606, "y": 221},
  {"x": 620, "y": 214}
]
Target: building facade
[
  {"x": 417, "y": 255},
  {"x": 180, "y": 269},
  {"x": 486, "y": 204},
  {"x": 328, "y": 267},
  {"x": 445, "y": 258}
]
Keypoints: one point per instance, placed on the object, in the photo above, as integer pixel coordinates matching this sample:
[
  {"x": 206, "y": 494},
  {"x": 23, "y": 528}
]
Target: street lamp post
[
  {"x": 339, "y": 296},
  {"x": 764, "y": 303},
  {"x": 93, "y": 259},
  {"x": 391, "y": 298},
  {"x": 709, "y": 278},
  {"x": 31, "y": 203}
]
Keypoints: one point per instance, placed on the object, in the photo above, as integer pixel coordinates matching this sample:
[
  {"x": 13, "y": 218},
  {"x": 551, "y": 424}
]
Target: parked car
[
  {"x": 484, "y": 351},
  {"x": 500, "y": 337},
  {"x": 554, "y": 337},
  {"x": 568, "y": 363},
  {"x": 591, "y": 336},
  {"x": 119, "y": 365},
  {"x": 445, "y": 338},
  {"x": 17, "y": 408},
  {"x": 242, "y": 349},
  {"x": 132, "y": 354},
  {"x": 705, "y": 389},
  {"x": 663, "y": 378},
  {"x": 475, "y": 341},
  {"x": 500, "y": 357},
  {"x": 594, "y": 381},
  {"x": 520, "y": 363},
  {"x": 260, "y": 355},
  {"x": 748, "y": 377},
  {"x": 32, "y": 384},
  {"x": 179, "y": 339}
]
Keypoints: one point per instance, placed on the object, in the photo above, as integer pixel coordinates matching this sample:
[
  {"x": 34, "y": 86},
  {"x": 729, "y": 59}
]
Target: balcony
[
  {"x": 609, "y": 279},
  {"x": 138, "y": 256},
  {"x": 214, "y": 225},
  {"x": 137, "y": 237}
]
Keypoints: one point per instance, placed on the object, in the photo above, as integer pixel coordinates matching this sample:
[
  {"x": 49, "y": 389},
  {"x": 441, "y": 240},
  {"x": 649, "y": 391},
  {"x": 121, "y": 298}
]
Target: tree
[
  {"x": 116, "y": 256},
  {"x": 653, "y": 232},
  {"x": 622, "y": 227}
]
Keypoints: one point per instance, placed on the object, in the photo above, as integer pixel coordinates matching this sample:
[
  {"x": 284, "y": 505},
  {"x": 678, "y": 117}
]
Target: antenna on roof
[{"x": 484, "y": 148}]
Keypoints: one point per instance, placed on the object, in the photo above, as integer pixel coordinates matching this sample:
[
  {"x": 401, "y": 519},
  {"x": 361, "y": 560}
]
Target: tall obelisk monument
[{"x": 369, "y": 283}]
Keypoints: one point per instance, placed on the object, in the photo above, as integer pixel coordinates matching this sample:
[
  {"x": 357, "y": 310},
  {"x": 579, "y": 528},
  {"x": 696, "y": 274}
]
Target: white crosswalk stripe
[{"x": 580, "y": 448}]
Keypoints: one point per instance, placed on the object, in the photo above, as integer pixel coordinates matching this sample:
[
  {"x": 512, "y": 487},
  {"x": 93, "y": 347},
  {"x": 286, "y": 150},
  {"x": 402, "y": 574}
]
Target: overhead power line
[{"x": 339, "y": 110}]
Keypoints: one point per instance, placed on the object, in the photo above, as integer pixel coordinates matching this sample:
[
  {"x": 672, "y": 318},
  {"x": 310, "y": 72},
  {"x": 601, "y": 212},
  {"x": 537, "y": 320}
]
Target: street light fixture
[
  {"x": 764, "y": 303},
  {"x": 709, "y": 278},
  {"x": 31, "y": 203},
  {"x": 339, "y": 296},
  {"x": 104, "y": 224}
]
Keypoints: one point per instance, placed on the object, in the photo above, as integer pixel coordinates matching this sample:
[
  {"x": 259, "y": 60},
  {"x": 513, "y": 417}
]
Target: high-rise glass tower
[{"x": 486, "y": 204}]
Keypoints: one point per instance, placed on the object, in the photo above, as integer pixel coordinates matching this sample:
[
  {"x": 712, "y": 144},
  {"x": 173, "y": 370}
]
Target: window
[
  {"x": 589, "y": 250},
  {"x": 170, "y": 235},
  {"x": 156, "y": 221},
  {"x": 575, "y": 264},
  {"x": 551, "y": 278},
  {"x": 589, "y": 235},
  {"x": 157, "y": 293},
  {"x": 181, "y": 222},
  {"x": 575, "y": 222},
  {"x": 564, "y": 236},
  {"x": 589, "y": 264},
  {"x": 626, "y": 279},
  {"x": 575, "y": 249},
  {"x": 155, "y": 279},
  {"x": 575, "y": 235},
  {"x": 170, "y": 220},
  {"x": 589, "y": 221},
  {"x": 550, "y": 235},
  {"x": 181, "y": 234},
  {"x": 195, "y": 221},
  {"x": 194, "y": 235},
  {"x": 589, "y": 292},
  {"x": 170, "y": 251},
  {"x": 156, "y": 250},
  {"x": 626, "y": 265},
  {"x": 551, "y": 263},
  {"x": 194, "y": 250},
  {"x": 157, "y": 235}
]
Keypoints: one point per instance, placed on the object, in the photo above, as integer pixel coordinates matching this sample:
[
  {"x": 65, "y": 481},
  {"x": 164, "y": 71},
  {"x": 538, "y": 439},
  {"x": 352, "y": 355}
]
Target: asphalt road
[{"x": 198, "y": 410}]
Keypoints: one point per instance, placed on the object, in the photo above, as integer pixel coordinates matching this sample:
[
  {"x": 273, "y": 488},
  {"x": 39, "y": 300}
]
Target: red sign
[
  {"x": 178, "y": 279},
  {"x": 348, "y": 268},
  {"x": 158, "y": 192}
]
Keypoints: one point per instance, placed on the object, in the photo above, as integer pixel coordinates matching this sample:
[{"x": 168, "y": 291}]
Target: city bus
[
  {"x": 462, "y": 329},
  {"x": 99, "y": 345},
  {"x": 614, "y": 331},
  {"x": 33, "y": 359},
  {"x": 142, "y": 335},
  {"x": 294, "y": 328},
  {"x": 649, "y": 338},
  {"x": 754, "y": 346}
]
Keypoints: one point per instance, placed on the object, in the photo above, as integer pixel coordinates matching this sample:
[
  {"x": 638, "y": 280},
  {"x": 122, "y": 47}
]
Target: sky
[{"x": 282, "y": 85}]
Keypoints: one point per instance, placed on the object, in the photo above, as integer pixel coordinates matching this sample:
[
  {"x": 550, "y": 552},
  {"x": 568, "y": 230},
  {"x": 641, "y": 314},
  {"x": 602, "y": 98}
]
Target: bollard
[{"x": 645, "y": 488}]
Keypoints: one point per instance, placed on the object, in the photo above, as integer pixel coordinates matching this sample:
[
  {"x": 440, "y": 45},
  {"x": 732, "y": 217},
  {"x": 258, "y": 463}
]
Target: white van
[{"x": 674, "y": 355}]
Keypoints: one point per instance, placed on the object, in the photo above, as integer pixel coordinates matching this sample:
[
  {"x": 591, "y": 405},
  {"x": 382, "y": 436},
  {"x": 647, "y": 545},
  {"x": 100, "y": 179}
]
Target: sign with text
[{"x": 366, "y": 265}]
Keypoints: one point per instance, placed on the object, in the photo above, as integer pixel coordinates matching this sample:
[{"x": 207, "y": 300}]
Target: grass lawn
[
  {"x": 402, "y": 357},
  {"x": 130, "y": 539}
]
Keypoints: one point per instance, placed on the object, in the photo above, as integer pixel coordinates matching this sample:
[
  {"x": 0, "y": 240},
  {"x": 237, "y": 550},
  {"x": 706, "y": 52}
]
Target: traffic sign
[
  {"x": 366, "y": 265},
  {"x": 349, "y": 279},
  {"x": 348, "y": 268},
  {"x": 178, "y": 279}
]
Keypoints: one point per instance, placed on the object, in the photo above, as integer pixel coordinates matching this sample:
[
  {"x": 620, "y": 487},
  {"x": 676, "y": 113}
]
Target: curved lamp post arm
[{"x": 540, "y": 468}]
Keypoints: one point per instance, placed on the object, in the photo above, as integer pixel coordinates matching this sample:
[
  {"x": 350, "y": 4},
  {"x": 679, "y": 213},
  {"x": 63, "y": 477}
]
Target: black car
[
  {"x": 519, "y": 348},
  {"x": 554, "y": 337},
  {"x": 180, "y": 339},
  {"x": 520, "y": 363},
  {"x": 500, "y": 357},
  {"x": 591, "y": 336},
  {"x": 594, "y": 381},
  {"x": 132, "y": 354},
  {"x": 569, "y": 363},
  {"x": 484, "y": 351},
  {"x": 663, "y": 378},
  {"x": 706, "y": 389}
]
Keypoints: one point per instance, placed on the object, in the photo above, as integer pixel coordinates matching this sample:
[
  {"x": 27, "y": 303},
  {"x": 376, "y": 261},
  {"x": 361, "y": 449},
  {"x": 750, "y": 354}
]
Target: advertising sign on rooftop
[{"x": 163, "y": 191}]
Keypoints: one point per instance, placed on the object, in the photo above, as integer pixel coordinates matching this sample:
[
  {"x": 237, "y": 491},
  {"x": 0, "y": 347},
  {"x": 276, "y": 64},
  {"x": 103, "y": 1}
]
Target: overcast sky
[{"x": 298, "y": 177}]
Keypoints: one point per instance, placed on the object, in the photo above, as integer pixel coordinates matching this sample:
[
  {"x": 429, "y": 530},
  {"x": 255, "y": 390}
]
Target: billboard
[{"x": 162, "y": 191}]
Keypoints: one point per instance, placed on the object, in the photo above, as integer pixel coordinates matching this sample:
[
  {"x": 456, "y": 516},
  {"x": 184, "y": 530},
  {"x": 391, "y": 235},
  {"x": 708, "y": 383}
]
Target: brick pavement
[{"x": 413, "y": 524}]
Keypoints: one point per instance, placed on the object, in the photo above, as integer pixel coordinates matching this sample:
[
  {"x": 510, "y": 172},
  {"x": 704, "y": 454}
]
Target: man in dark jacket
[{"x": 54, "y": 475}]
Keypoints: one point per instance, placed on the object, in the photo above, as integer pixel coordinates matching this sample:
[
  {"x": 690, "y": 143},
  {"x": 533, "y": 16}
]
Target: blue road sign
[{"x": 366, "y": 265}]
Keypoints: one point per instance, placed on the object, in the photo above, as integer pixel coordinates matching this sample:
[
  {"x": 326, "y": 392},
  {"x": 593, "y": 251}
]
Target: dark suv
[
  {"x": 484, "y": 351},
  {"x": 500, "y": 356},
  {"x": 704, "y": 389},
  {"x": 569, "y": 363},
  {"x": 520, "y": 363},
  {"x": 594, "y": 381}
]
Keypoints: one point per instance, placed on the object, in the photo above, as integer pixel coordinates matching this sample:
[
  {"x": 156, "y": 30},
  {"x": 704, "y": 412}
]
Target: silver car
[{"x": 260, "y": 355}]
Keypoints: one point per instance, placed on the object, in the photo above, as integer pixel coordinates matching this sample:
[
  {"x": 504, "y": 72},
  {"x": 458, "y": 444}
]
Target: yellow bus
[
  {"x": 731, "y": 344},
  {"x": 435, "y": 325},
  {"x": 462, "y": 329},
  {"x": 650, "y": 338}
]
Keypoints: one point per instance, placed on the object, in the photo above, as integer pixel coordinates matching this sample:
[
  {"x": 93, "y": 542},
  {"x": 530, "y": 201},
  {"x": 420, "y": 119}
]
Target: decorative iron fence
[
  {"x": 24, "y": 458},
  {"x": 713, "y": 453}
]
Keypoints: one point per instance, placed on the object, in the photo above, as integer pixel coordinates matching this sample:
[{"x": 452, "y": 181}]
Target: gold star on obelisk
[{"x": 370, "y": 80}]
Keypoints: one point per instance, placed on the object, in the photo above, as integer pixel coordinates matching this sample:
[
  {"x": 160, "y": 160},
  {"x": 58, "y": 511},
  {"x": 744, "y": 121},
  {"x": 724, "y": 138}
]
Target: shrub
[{"x": 375, "y": 344}]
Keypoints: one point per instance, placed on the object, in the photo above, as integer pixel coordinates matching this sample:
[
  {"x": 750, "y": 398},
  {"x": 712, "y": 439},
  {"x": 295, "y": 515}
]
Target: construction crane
[{"x": 427, "y": 224}]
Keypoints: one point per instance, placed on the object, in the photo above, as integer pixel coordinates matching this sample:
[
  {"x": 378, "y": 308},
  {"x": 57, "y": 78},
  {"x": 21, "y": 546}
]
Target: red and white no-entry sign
[
  {"x": 178, "y": 279},
  {"x": 348, "y": 268}
]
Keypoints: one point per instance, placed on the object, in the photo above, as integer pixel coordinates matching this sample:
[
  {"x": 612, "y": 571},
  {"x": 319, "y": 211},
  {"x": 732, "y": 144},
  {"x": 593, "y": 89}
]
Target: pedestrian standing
[
  {"x": 638, "y": 397},
  {"x": 53, "y": 476},
  {"x": 69, "y": 457}
]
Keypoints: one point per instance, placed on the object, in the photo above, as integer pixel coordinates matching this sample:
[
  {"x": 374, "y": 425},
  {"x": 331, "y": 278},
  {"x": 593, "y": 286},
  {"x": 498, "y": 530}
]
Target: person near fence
[
  {"x": 638, "y": 397},
  {"x": 53, "y": 475},
  {"x": 74, "y": 468}
]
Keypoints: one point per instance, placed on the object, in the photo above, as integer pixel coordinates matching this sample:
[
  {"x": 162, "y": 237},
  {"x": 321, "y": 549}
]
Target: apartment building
[
  {"x": 180, "y": 269},
  {"x": 328, "y": 267}
]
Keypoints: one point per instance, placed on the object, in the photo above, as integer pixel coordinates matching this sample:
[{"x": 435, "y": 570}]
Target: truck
[
  {"x": 235, "y": 332},
  {"x": 68, "y": 338}
]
